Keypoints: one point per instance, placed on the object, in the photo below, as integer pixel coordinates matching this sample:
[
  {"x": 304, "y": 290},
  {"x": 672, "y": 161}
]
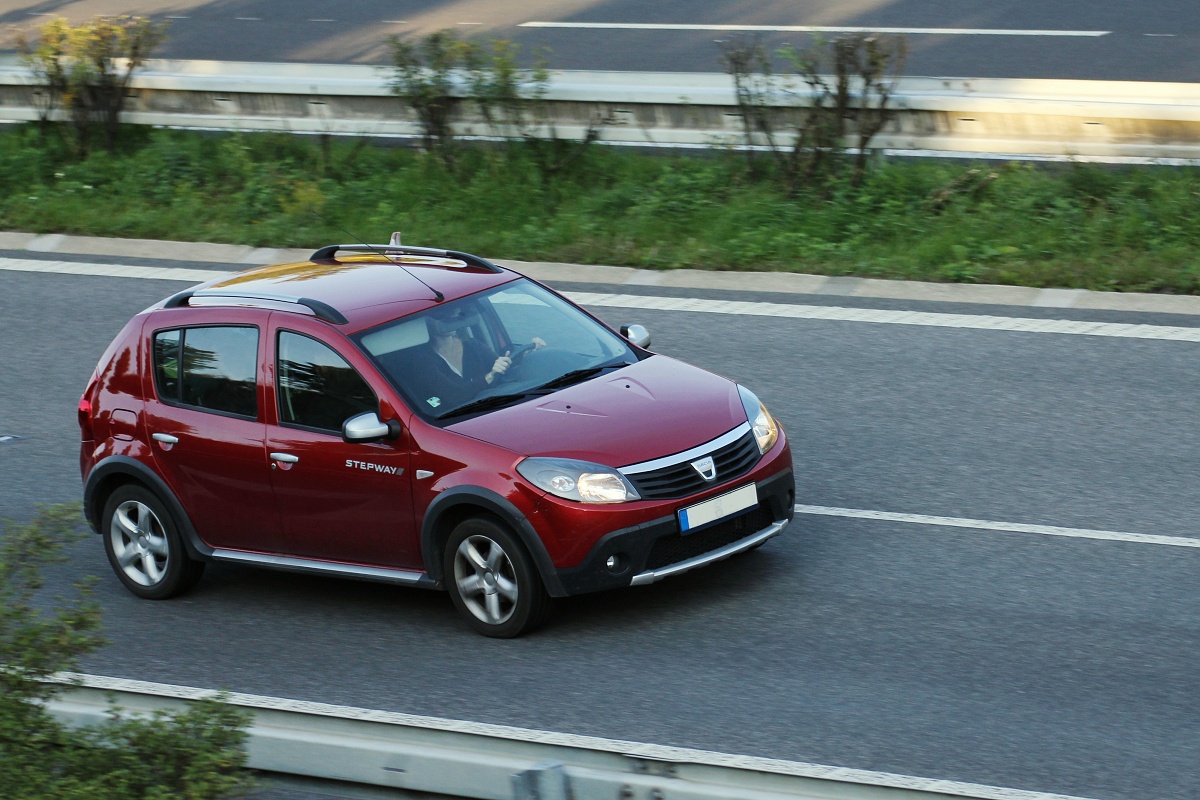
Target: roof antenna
[{"x": 394, "y": 243}]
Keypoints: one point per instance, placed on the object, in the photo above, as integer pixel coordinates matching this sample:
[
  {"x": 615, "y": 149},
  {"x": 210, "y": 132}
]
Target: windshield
[{"x": 491, "y": 350}]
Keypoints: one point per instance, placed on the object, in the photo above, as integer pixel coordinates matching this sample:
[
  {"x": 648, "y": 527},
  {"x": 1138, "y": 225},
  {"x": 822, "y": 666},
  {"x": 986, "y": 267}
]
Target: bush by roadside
[
  {"x": 196, "y": 754},
  {"x": 1081, "y": 226}
]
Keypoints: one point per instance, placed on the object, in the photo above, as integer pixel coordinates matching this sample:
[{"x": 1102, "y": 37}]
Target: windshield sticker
[{"x": 434, "y": 401}]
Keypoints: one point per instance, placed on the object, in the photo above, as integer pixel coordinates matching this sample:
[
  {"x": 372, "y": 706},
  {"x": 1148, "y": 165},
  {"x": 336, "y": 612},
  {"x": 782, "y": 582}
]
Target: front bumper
[{"x": 656, "y": 549}]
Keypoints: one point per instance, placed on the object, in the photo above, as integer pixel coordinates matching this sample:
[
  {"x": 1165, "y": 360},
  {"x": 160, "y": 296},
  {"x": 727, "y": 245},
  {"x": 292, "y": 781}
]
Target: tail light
[{"x": 85, "y": 409}]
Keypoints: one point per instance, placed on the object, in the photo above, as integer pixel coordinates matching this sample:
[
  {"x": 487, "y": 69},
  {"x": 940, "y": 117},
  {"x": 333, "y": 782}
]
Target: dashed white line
[
  {"x": 322, "y": 20},
  {"x": 1164, "y": 35},
  {"x": 248, "y": 19},
  {"x": 1007, "y": 527},
  {"x": 657, "y": 26}
]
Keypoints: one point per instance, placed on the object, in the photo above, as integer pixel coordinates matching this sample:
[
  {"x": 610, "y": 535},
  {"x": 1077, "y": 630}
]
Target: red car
[{"x": 422, "y": 417}]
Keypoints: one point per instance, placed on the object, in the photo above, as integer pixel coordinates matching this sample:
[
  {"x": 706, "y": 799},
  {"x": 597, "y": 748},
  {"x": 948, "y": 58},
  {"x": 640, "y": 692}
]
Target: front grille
[
  {"x": 680, "y": 480},
  {"x": 680, "y": 547}
]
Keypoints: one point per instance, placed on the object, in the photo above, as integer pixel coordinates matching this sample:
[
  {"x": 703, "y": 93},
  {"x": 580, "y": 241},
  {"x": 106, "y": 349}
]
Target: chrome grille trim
[{"x": 688, "y": 455}]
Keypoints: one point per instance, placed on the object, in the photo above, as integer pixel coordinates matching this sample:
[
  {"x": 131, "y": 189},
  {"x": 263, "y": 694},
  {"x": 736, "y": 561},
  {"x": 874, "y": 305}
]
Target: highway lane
[
  {"x": 1155, "y": 41},
  {"x": 1013, "y": 659}
]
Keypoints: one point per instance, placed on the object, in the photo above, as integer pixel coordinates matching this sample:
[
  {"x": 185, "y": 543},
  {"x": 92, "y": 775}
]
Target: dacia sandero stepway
[{"x": 422, "y": 417}]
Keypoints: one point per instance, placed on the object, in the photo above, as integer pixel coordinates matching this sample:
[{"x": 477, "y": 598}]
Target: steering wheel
[
  {"x": 519, "y": 352},
  {"x": 517, "y": 355}
]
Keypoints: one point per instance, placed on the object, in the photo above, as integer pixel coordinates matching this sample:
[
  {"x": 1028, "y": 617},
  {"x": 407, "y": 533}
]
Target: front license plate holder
[{"x": 717, "y": 508}]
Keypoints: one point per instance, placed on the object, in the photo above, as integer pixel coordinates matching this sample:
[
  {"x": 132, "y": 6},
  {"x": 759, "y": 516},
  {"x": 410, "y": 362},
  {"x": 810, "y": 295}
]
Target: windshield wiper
[
  {"x": 492, "y": 401},
  {"x": 576, "y": 376}
]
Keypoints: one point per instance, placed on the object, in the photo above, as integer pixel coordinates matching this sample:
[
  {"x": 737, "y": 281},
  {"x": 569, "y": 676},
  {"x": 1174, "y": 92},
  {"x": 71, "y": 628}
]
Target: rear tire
[
  {"x": 492, "y": 580},
  {"x": 144, "y": 547}
]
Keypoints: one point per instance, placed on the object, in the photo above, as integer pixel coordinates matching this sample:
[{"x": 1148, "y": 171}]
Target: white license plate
[{"x": 717, "y": 508}]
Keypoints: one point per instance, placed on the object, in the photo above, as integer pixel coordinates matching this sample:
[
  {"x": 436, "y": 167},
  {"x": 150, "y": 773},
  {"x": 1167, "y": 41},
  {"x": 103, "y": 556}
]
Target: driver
[{"x": 455, "y": 366}]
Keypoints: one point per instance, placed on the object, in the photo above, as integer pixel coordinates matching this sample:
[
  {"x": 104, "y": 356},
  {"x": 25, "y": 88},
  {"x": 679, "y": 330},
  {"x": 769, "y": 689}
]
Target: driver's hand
[
  {"x": 499, "y": 368},
  {"x": 538, "y": 344}
]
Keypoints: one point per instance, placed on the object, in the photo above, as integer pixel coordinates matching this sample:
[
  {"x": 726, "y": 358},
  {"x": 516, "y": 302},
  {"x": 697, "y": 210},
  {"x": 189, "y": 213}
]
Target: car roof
[{"x": 356, "y": 291}]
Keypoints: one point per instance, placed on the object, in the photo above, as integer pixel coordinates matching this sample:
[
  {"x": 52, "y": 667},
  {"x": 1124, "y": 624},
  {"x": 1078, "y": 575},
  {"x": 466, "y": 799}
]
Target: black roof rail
[
  {"x": 321, "y": 310},
  {"x": 328, "y": 252}
]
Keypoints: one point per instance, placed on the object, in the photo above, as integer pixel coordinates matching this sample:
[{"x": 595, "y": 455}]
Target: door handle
[
  {"x": 165, "y": 438},
  {"x": 284, "y": 458}
]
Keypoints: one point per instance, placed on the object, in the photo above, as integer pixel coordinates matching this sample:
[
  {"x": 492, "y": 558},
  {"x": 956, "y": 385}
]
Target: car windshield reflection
[{"x": 491, "y": 350}]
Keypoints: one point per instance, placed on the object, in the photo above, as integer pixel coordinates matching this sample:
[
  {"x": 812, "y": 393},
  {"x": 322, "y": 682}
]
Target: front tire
[
  {"x": 492, "y": 581},
  {"x": 144, "y": 547}
]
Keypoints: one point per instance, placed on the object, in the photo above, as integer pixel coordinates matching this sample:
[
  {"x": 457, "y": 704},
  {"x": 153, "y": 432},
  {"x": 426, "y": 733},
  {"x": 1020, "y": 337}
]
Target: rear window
[{"x": 211, "y": 368}]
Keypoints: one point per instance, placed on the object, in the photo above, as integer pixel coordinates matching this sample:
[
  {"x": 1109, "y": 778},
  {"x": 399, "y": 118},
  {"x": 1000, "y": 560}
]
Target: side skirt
[{"x": 404, "y": 577}]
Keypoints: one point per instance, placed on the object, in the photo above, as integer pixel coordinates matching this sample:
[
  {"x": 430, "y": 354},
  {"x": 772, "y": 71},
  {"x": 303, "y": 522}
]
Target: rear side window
[
  {"x": 212, "y": 368},
  {"x": 316, "y": 387}
]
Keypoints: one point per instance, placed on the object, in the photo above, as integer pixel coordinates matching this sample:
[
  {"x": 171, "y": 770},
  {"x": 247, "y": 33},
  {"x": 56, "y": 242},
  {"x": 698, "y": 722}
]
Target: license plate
[{"x": 717, "y": 508}]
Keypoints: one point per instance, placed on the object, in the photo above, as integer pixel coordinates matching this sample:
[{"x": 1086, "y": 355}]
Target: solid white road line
[
  {"x": 1008, "y": 527},
  {"x": 657, "y": 26},
  {"x": 701, "y": 305},
  {"x": 935, "y": 319},
  {"x": 111, "y": 270}
]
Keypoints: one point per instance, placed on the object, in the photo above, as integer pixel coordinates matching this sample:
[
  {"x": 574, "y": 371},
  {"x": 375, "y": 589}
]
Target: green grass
[{"x": 1124, "y": 229}]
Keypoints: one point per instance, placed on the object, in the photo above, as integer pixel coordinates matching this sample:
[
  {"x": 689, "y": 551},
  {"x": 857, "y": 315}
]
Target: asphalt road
[
  {"x": 1158, "y": 40},
  {"x": 1036, "y": 662}
]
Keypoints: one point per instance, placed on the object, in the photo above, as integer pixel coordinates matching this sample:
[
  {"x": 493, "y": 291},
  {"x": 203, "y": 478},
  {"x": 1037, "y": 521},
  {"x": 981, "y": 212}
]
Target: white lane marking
[
  {"x": 248, "y": 19},
  {"x": 111, "y": 270},
  {"x": 656, "y": 26},
  {"x": 700, "y": 305},
  {"x": 1008, "y": 527},
  {"x": 575, "y": 741},
  {"x": 177, "y": 16},
  {"x": 395, "y": 22},
  {"x": 1165, "y": 35},
  {"x": 934, "y": 319},
  {"x": 322, "y": 20}
]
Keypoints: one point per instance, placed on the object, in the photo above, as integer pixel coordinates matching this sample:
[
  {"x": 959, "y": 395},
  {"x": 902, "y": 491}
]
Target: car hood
[{"x": 647, "y": 410}]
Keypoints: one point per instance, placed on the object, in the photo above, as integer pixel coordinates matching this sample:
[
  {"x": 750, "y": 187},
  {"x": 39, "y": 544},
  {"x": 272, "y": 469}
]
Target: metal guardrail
[
  {"x": 475, "y": 760},
  {"x": 1089, "y": 120}
]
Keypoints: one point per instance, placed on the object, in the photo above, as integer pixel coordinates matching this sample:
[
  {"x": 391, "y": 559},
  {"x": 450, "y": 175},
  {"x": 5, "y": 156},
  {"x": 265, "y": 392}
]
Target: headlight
[
  {"x": 581, "y": 481},
  {"x": 766, "y": 431}
]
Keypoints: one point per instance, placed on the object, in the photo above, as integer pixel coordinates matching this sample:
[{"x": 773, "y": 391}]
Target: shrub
[{"x": 195, "y": 754}]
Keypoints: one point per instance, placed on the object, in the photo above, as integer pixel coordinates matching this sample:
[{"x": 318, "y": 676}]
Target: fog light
[
  {"x": 612, "y": 563},
  {"x": 617, "y": 562}
]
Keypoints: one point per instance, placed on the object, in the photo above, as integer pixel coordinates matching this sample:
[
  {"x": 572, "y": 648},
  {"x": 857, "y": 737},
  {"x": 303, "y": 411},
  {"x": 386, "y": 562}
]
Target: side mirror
[
  {"x": 368, "y": 427},
  {"x": 636, "y": 334}
]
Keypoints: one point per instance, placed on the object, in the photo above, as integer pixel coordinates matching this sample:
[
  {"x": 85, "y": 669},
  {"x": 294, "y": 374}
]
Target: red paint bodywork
[{"x": 221, "y": 471}]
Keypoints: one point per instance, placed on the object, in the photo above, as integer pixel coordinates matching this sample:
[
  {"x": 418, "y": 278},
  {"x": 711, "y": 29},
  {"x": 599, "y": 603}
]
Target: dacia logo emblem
[{"x": 706, "y": 468}]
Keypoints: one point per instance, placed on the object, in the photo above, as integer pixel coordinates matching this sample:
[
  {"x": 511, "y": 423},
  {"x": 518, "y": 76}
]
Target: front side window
[
  {"x": 211, "y": 368},
  {"x": 316, "y": 388}
]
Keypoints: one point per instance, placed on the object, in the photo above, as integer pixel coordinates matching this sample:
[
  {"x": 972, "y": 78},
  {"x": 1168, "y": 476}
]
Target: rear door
[
  {"x": 205, "y": 424},
  {"x": 337, "y": 501}
]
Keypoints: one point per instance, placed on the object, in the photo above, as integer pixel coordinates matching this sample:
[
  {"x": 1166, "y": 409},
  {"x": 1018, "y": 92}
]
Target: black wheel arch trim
[
  {"x": 493, "y": 503},
  {"x": 131, "y": 467}
]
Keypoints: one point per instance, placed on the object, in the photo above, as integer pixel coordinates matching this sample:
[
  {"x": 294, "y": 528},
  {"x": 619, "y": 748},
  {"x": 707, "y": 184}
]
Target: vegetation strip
[{"x": 815, "y": 197}]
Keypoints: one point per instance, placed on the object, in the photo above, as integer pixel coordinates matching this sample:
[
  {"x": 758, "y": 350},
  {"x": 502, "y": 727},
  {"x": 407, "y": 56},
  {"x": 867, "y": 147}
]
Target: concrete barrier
[
  {"x": 1056, "y": 119},
  {"x": 356, "y": 746}
]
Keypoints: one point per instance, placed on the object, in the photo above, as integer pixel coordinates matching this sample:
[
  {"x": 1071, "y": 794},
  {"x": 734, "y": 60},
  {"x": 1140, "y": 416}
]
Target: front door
[{"x": 337, "y": 501}]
